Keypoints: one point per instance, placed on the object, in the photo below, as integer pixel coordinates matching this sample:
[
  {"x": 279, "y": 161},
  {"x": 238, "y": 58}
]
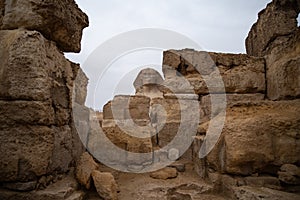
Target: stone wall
[
  {"x": 260, "y": 136},
  {"x": 274, "y": 25},
  {"x": 38, "y": 137},
  {"x": 276, "y": 37},
  {"x": 259, "y": 143}
]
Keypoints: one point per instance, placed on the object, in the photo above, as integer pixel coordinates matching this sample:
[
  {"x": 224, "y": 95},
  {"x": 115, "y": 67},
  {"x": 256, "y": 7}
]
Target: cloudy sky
[{"x": 219, "y": 26}]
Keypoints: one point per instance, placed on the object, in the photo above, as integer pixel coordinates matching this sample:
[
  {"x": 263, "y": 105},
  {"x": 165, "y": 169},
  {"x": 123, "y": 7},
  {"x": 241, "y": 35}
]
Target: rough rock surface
[
  {"x": 246, "y": 192},
  {"x": 165, "y": 173},
  {"x": 274, "y": 23},
  {"x": 36, "y": 94},
  {"x": 283, "y": 71},
  {"x": 60, "y": 21},
  {"x": 276, "y": 36},
  {"x": 86, "y": 165},
  {"x": 65, "y": 189},
  {"x": 1, "y": 10},
  {"x": 240, "y": 73},
  {"x": 105, "y": 185},
  {"x": 257, "y": 136},
  {"x": 289, "y": 174}
]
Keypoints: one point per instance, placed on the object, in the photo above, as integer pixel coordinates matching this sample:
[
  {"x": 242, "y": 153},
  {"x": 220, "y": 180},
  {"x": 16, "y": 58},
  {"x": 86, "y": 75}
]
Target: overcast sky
[{"x": 219, "y": 26}]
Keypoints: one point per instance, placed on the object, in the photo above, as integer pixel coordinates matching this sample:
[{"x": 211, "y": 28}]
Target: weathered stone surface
[
  {"x": 27, "y": 186},
  {"x": 32, "y": 151},
  {"x": 80, "y": 85},
  {"x": 256, "y": 136},
  {"x": 264, "y": 181},
  {"x": 179, "y": 166},
  {"x": 127, "y": 107},
  {"x": 105, "y": 185},
  {"x": 283, "y": 71},
  {"x": 292, "y": 169},
  {"x": 247, "y": 192},
  {"x": 37, "y": 73},
  {"x": 63, "y": 150},
  {"x": 218, "y": 99},
  {"x": 165, "y": 173},
  {"x": 65, "y": 189},
  {"x": 173, "y": 110},
  {"x": 240, "y": 73},
  {"x": 122, "y": 137},
  {"x": 25, "y": 153},
  {"x": 36, "y": 88},
  {"x": 174, "y": 117},
  {"x": 289, "y": 174},
  {"x": 1, "y": 10},
  {"x": 179, "y": 85},
  {"x": 277, "y": 20},
  {"x": 59, "y": 21},
  {"x": 167, "y": 133},
  {"x": 26, "y": 112},
  {"x": 85, "y": 166}
]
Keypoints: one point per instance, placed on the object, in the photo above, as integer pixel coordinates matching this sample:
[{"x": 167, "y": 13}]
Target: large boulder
[
  {"x": 257, "y": 137},
  {"x": 165, "y": 173},
  {"x": 105, "y": 185},
  {"x": 58, "y": 20},
  {"x": 283, "y": 69},
  {"x": 29, "y": 152},
  {"x": 86, "y": 165},
  {"x": 36, "y": 90},
  {"x": 274, "y": 23}
]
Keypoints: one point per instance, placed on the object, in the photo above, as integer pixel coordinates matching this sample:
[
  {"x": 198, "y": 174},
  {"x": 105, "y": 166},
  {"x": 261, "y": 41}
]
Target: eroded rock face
[
  {"x": 276, "y": 37},
  {"x": 283, "y": 71},
  {"x": 257, "y": 136},
  {"x": 240, "y": 73},
  {"x": 105, "y": 185},
  {"x": 86, "y": 165},
  {"x": 36, "y": 94},
  {"x": 166, "y": 173},
  {"x": 289, "y": 174},
  {"x": 1, "y": 11},
  {"x": 274, "y": 23},
  {"x": 59, "y": 21}
]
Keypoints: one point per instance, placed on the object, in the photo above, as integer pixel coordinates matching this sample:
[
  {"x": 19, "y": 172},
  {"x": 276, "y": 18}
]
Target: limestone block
[
  {"x": 256, "y": 136},
  {"x": 276, "y": 20},
  {"x": 127, "y": 107},
  {"x": 234, "y": 73},
  {"x": 26, "y": 152},
  {"x": 283, "y": 71},
  {"x": 105, "y": 185},
  {"x": 59, "y": 21},
  {"x": 165, "y": 173},
  {"x": 26, "y": 112},
  {"x": 86, "y": 165}
]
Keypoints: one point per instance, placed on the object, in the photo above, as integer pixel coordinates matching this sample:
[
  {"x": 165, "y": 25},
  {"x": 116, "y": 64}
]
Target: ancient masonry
[{"x": 255, "y": 157}]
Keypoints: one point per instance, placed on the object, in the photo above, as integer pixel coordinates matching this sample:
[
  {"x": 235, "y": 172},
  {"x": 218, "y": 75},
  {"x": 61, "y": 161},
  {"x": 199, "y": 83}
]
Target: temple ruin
[{"x": 162, "y": 139}]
